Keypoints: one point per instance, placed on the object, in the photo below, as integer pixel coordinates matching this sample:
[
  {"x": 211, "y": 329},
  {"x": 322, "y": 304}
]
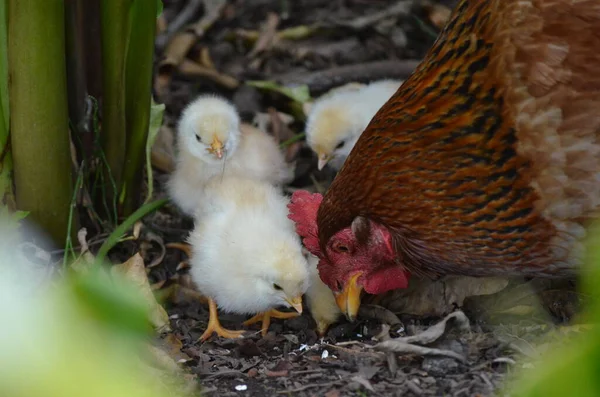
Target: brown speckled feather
[{"x": 487, "y": 159}]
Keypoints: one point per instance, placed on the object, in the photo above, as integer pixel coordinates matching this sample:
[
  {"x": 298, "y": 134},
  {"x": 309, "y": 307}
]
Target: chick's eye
[
  {"x": 198, "y": 138},
  {"x": 277, "y": 287},
  {"x": 340, "y": 145}
]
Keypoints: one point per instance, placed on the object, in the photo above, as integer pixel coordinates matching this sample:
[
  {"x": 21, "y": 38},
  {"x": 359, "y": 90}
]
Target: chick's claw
[
  {"x": 214, "y": 325},
  {"x": 265, "y": 318},
  {"x": 186, "y": 248}
]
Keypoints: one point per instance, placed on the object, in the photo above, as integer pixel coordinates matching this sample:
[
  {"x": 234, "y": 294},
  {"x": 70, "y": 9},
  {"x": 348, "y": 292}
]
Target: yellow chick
[
  {"x": 337, "y": 119},
  {"x": 320, "y": 299},
  {"x": 212, "y": 141},
  {"x": 246, "y": 256}
]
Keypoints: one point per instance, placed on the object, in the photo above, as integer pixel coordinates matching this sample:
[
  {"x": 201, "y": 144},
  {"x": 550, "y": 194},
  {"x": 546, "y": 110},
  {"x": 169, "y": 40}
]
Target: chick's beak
[
  {"x": 296, "y": 303},
  {"x": 349, "y": 299},
  {"x": 216, "y": 147},
  {"x": 323, "y": 160}
]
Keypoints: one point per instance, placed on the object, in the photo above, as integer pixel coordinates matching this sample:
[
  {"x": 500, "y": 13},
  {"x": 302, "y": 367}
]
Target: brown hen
[{"x": 486, "y": 161}]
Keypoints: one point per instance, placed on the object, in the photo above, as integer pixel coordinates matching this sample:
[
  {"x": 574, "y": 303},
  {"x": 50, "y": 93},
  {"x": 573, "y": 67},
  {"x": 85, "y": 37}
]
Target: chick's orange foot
[
  {"x": 214, "y": 325},
  {"x": 266, "y": 319}
]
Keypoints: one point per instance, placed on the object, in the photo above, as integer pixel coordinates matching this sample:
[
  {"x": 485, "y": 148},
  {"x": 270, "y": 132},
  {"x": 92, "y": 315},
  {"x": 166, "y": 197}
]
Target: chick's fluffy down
[
  {"x": 248, "y": 151},
  {"x": 337, "y": 119},
  {"x": 246, "y": 253},
  {"x": 320, "y": 299}
]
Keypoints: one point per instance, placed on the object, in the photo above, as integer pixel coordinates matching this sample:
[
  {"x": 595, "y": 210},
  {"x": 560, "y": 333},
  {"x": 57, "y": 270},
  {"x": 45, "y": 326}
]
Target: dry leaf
[
  {"x": 363, "y": 382},
  {"x": 405, "y": 345},
  {"x": 135, "y": 271},
  {"x": 163, "y": 150},
  {"x": 193, "y": 69},
  {"x": 84, "y": 262}
]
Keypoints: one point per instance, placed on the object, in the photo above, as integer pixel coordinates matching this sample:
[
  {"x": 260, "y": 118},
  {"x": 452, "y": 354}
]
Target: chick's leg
[
  {"x": 215, "y": 326},
  {"x": 266, "y": 319}
]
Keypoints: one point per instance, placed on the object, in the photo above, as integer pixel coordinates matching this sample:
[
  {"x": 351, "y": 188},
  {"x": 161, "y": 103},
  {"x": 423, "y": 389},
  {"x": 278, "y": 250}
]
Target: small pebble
[
  {"x": 241, "y": 387},
  {"x": 324, "y": 355}
]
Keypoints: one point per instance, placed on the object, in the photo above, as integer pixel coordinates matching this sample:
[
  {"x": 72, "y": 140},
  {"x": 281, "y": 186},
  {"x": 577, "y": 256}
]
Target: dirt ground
[{"x": 326, "y": 43}]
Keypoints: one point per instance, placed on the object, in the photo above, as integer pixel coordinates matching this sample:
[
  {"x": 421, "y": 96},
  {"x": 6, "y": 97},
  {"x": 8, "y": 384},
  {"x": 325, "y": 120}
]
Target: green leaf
[
  {"x": 10, "y": 220},
  {"x": 138, "y": 93},
  {"x": 293, "y": 139},
  {"x": 111, "y": 301},
  {"x": 115, "y": 236},
  {"x": 159, "y": 8},
  {"x": 156, "y": 117},
  {"x": 299, "y": 93}
]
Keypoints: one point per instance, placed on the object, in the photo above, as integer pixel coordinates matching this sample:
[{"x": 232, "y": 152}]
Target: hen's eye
[
  {"x": 198, "y": 138},
  {"x": 277, "y": 287},
  {"x": 340, "y": 145},
  {"x": 338, "y": 285},
  {"x": 341, "y": 248}
]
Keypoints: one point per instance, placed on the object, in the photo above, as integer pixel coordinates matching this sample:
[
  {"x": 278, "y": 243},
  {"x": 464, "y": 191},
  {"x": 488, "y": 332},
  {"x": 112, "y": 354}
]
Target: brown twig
[
  {"x": 310, "y": 386},
  {"x": 324, "y": 80},
  {"x": 353, "y": 352},
  {"x": 390, "y": 356},
  {"x": 182, "y": 18},
  {"x": 179, "y": 46},
  {"x": 395, "y": 10}
]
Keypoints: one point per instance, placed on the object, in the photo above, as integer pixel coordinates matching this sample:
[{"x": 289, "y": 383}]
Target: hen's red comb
[{"x": 303, "y": 208}]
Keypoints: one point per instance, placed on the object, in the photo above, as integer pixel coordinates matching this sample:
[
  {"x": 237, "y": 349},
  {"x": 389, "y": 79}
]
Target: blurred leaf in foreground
[
  {"x": 571, "y": 368},
  {"x": 85, "y": 334}
]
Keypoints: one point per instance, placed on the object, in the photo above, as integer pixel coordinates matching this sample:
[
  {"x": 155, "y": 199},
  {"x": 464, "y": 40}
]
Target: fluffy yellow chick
[
  {"x": 337, "y": 119},
  {"x": 320, "y": 299},
  {"x": 212, "y": 141},
  {"x": 246, "y": 256}
]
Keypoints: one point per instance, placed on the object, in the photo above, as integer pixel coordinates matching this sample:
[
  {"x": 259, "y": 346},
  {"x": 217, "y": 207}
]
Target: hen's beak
[
  {"x": 216, "y": 147},
  {"x": 296, "y": 303},
  {"x": 323, "y": 160},
  {"x": 349, "y": 299}
]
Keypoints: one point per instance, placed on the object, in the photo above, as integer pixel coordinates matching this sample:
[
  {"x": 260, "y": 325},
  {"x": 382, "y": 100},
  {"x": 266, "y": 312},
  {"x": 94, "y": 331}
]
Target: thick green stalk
[
  {"x": 4, "y": 119},
  {"x": 137, "y": 98},
  {"x": 6, "y": 193},
  {"x": 116, "y": 23},
  {"x": 39, "y": 112}
]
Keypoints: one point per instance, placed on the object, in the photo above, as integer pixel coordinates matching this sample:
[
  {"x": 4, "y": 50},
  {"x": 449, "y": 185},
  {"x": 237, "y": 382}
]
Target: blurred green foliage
[
  {"x": 82, "y": 335},
  {"x": 570, "y": 368}
]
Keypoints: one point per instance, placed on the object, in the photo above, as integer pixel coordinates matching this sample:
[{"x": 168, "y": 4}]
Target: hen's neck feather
[{"x": 487, "y": 159}]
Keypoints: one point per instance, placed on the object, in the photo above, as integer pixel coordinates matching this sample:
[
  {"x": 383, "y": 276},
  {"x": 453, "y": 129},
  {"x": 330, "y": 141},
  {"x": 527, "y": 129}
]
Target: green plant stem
[
  {"x": 6, "y": 189},
  {"x": 115, "y": 236},
  {"x": 293, "y": 139},
  {"x": 116, "y": 23},
  {"x": 137, "y": 98},
  {"x": 39, "y": 112},
  {"x": 4, "y": 119}
]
